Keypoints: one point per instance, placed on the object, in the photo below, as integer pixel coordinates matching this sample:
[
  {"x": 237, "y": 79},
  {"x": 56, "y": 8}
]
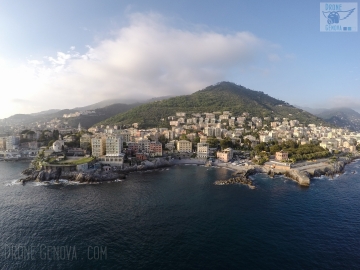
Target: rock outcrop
[
  {"x": 303, "y": 178},
  {"x": 239, "y": 178},
  {"x": 91, "y": 176}
]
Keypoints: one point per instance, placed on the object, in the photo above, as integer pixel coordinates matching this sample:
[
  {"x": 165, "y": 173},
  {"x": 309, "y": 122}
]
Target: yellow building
[
  {"x": 98, "y": 146},
  {"x": 184, "y": 146}
]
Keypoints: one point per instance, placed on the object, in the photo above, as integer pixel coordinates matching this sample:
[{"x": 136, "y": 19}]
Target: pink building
[{"x": 281, "y": 155}]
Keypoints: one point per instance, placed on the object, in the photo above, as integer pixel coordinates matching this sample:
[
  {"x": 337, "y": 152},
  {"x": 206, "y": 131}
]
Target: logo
[{"x": 338, "y": 17}]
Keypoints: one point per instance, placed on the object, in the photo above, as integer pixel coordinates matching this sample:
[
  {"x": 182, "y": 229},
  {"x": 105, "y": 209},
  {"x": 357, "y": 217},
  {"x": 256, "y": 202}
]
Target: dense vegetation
[
  {"x": 85, "y": 120},
  {"x": 296, "y": 151},
  {"x": 224, "y": 96}
]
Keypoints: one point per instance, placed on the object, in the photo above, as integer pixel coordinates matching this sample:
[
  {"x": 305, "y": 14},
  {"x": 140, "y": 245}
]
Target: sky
[{"x": 66, "y": 54}]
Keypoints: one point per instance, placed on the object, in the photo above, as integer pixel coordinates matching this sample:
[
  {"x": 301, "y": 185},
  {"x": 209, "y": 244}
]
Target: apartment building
[
  {"x": 98, "y": 145},
  {"x": 184, "y": 146},
  {"x": 203, "y": 150}
]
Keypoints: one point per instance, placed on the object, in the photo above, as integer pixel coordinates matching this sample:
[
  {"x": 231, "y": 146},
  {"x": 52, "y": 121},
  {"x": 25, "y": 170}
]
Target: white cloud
[
  {"x": 146, "y": 58},
  {"x": 273, "y": 57}
]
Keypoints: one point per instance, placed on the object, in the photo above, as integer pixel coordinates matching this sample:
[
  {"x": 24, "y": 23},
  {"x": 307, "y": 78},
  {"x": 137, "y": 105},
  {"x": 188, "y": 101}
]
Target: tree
[
  {"x": 163, "y": 140},
  {"x": 55, "y": 134},
  {"x": 275, "y": 148},
  {"x": 247, "y": 142},
  {"x": 51, "y": 143},
  {"x": 226, "y": 143},
  {"x": 212, "y": 141}
]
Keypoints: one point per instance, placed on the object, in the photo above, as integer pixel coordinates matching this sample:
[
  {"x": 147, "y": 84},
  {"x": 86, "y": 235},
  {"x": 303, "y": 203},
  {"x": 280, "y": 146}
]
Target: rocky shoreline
[
  {"x": 90, "y": 176},
  {"x": 303, "y": 177},
  {"x": 239, "y": 178},
  {"x": 299, "y": 175}
]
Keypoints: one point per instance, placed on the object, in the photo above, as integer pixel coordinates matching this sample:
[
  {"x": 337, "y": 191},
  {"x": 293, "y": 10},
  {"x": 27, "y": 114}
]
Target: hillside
[
  {"x": 100, "y": 115},
  {"x": 220, "y": 97},
  {"x": 85, "y": 120},
  {"x": 342, "y": 117},
  {"x": 103, "y": 110}
]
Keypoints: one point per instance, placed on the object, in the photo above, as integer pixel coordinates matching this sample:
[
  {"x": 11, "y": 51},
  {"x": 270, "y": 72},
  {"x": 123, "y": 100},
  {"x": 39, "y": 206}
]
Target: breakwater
[{"x": 239, "y": 178}]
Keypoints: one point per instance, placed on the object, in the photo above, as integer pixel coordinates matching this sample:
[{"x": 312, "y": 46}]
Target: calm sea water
[{"x": 177, "y": 219}]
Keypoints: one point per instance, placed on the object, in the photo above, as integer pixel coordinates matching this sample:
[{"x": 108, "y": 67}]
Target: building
[
  {"x": 2, "y": 143},
  {"x": 69, "y": 138},
  {"x": 280, "y": 156},
  {"x": 125, "y": 136},
  {"x": 203, "y": 150},
  {"x": 77, "y": 152},
  {"x": 85, "y": 141},
  {"x": 184, "y": 146},
  {"x": 133, "y": 147},
  {"x": 155, "y": 149},
  {"x": 98, "y": 145},
  {"x": 58, "y": 146},
  {"x": 113, "y": 145},
  {"x": 225, "y": 155},
  {"x": 180, "y": 114},
  {"x": 113, "y": 159},
  {"x": 144, "y": 145},
  {"x": 141, "y": 156},
  {"x": 12, "y": 142},
  {"x": 170, "y": 145}
]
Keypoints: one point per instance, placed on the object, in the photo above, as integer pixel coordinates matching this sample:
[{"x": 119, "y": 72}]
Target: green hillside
[{"x": 224, "y": 96}]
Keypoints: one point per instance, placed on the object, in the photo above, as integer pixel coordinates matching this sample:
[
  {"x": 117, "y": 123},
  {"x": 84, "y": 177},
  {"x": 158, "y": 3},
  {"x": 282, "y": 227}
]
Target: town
[{"x": 202, "y": 138}]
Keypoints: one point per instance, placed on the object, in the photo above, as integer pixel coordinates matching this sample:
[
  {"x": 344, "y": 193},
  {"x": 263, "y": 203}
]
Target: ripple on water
[{"x": 14, "y": 182}]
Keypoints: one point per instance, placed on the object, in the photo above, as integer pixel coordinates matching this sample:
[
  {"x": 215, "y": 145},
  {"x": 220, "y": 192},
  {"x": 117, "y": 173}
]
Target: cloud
[
  {"x": 19, "y": 100},
  {"x": 273, "y": 57},
  {"x": 146, "y": 58}
]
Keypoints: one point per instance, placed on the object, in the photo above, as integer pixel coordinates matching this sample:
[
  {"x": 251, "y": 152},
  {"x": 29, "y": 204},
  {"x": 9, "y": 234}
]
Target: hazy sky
[{"x": 65, "y": 54}]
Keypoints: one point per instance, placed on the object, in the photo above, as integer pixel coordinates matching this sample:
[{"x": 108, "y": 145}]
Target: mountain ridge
[
  {"x": 342, "y": 117},
  {"x": 223, "y": 96}
]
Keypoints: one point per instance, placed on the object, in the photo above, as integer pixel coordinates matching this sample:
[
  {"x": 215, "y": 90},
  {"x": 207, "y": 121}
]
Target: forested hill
[{"x": 224, "y": 96}]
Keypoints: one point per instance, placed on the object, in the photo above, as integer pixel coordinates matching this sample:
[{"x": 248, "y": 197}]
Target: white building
[
  {"x": 113, "y": 145},
  {"x": 58, "y": 146},
  {"x": 12, "y": 142},
  {"x": 170, "y": 145},
  {"x": 203, "y": 150}
]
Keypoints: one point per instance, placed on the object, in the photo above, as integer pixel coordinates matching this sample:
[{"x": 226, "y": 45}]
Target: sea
[{"x": 176, "y": 218}]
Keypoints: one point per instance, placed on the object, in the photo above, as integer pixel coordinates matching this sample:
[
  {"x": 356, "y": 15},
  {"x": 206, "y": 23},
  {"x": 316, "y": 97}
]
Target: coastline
[{"x": 300, "y": 174}]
